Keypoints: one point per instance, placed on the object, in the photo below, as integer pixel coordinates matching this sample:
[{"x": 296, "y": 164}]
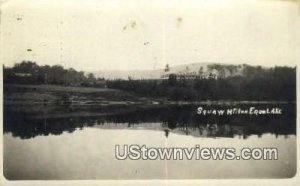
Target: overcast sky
[{"x": 96, "y": 35}]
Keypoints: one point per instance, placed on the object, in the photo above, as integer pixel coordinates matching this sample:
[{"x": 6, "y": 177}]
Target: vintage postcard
[{"x": 124, "y": 92}]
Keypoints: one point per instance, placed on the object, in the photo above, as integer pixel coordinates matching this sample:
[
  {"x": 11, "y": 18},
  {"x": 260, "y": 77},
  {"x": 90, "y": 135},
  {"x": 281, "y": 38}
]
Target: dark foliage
[
  {"x": 255, "y": 83},
  {"x": 28, "y": 72}
]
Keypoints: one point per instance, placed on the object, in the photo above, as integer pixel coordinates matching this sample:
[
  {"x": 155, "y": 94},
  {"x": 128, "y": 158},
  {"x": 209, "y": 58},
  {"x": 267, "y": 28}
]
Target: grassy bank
[
  {"x": 54, "y": 101},
  {"x": 54, "y": 95},
  {"x": 15, "y": 94}
]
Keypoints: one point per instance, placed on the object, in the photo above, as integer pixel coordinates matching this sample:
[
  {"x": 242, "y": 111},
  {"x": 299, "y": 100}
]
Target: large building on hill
[{"x": 188, "y": 73}]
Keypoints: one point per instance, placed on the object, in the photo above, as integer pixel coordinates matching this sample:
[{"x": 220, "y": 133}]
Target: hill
[{"x": 203, "y": 69}]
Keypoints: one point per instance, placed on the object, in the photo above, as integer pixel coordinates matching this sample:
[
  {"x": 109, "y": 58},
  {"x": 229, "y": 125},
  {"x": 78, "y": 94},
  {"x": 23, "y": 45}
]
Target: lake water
[{"x": 79, "y": 143}]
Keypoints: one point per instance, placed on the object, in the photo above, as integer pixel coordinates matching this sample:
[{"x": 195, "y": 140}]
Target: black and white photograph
[{"x": 149, "y": 90}]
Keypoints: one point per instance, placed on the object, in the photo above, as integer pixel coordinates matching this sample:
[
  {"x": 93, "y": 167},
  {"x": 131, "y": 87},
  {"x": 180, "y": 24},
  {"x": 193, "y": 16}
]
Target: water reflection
[{"x": 29, "y": 122}]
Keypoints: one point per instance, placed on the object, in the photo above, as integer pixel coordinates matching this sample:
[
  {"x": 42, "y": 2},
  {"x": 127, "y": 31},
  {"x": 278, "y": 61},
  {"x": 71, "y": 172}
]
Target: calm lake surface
[{"x": 74, "y": 142}]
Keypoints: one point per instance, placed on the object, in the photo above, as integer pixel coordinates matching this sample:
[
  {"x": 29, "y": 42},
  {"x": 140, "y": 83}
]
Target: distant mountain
[
  {"x": 203, "y": 69},
  {"x": 133, "y": 74}
]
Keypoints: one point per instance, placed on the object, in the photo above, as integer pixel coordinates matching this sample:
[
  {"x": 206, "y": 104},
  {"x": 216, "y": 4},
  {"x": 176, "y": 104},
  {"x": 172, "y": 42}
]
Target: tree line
[
  {"x": 255, "y": 83},
  {"x": 28, "y": 72}
]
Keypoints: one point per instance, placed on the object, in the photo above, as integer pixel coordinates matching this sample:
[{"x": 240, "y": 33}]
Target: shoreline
[{"x": 56, "y": 95}]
